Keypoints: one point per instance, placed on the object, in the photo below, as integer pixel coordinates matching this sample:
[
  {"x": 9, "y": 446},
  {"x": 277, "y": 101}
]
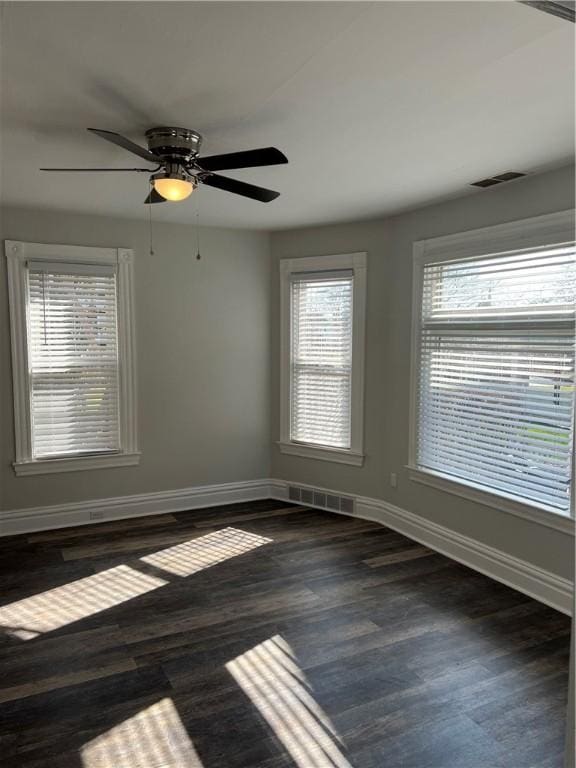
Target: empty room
[{"x": 287, "y": 384}]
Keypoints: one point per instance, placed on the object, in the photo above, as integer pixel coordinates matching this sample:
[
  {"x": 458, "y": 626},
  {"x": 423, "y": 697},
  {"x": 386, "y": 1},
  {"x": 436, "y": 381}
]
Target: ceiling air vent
[
  {"x": 498, "y": 179},
  {"x": 564, "y": 9}
]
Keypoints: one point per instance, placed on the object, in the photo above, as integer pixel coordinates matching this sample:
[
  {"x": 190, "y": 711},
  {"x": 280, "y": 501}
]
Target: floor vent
[
  {"x": 307, "y": 496},
  {"x": 313, "y": 497},
  {"x": 333, "y": 502},
  {"x": 347, "y": 505},
  {"x": 319, "y": 499},
  {"x": 293, "y": 493}
]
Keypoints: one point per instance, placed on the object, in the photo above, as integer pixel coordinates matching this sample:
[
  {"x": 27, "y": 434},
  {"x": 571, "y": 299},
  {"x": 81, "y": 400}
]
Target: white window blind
[
  {"x": 496, "y": 376},
  {"x": 321, "y": 358},
  {"x": 73, "y": 359}
]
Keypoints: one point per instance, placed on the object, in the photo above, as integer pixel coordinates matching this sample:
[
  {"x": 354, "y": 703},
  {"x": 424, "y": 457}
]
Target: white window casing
[
  {"x": 73, "y": 357},
  {"x": 493, "y": 383},
  {"x": 323, "y": 307}
]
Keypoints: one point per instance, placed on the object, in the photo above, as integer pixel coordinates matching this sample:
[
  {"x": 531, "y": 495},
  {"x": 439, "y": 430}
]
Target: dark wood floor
[{"x": 268, "y": 636}]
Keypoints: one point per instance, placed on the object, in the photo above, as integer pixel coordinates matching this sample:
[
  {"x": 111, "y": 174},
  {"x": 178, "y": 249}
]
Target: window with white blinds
[
  {"x": 73, "y": 359},
  {"x": 321, "y": 358},
  {"x": 496, "y": 384},
  {"x": 322, "y": 311}
]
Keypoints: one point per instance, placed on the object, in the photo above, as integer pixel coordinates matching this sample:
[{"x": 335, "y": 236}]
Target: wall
[
  {"x": 204, "y": 360},
  {"x": 203, "y": 341},
  {"x": 389, "y": 246}
]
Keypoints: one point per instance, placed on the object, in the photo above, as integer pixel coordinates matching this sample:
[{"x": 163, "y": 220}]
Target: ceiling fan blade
[
  {"x": 252, "y": 158},
  {"x": 125, "y": 143},
  {"x": 154, "y": 197},
  {"x": 97, "y": 170},
  {"x": 240, "y": 188}
]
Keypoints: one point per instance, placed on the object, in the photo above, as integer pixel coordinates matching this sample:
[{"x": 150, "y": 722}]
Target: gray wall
[
  {"x": 203, "y": 339},
  {"x": 205, "y": 346},
  {"x": 389, "y": 246}
]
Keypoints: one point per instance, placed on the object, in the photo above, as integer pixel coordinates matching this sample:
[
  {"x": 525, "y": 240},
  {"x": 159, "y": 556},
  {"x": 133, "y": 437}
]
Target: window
[
  {"x": 71, "y": 320},
  {"x": 321, "y": 374},
  {"x": 323, "y": 308},
  {"x": 494, "y": 380}
]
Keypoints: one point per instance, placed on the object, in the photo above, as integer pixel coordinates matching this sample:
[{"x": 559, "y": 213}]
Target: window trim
[
  {"x": 18, "y": 254},
  {"x": 357, "y": 262},
  {"x": 501, "y": 501},
  {"x": 546, "y": 230}
]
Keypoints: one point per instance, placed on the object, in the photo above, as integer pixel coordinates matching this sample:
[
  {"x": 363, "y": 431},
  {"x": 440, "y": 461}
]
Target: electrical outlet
[{"x": 393, "y": 479}]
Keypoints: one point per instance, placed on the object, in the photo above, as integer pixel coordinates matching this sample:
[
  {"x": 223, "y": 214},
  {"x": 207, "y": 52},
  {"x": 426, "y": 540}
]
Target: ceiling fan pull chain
[
  {"x": 150, "y": 229},
  {"x": 198, "y": 256}
]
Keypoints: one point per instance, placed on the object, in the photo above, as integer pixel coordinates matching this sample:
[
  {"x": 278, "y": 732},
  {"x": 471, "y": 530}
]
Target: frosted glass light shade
[{"x": 173, "y": 189}]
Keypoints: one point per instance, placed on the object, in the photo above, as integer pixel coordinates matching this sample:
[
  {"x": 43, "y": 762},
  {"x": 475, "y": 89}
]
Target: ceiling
[{"x": 379, "y": 106}]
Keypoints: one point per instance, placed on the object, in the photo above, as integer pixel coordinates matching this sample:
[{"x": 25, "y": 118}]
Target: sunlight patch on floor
[
  {"x": 74, "y": 601},
  {"x": 48, "y": 611},
  {"x": 196, "y": 555},
  {"x": 154, "y": 738},
  {"x": 270, "y": 676}
]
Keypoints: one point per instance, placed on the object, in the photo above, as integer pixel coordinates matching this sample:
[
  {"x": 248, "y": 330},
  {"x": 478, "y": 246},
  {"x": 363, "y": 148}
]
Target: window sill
[
  {"x": 543, "y": 515},
  {"x": 324, "y": 454},
  {"x": 74, "y": 464}
]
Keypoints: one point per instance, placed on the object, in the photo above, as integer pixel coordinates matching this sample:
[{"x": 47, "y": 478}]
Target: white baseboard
[
  {"x": 521, "y": 575},
  {"x": 85, "y": 512},
  {"x": 542, "y": 585}
]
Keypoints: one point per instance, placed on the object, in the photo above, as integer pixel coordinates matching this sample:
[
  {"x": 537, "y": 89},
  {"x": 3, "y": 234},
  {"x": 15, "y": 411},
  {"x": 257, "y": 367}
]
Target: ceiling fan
[{"x": 179, "y": 170}]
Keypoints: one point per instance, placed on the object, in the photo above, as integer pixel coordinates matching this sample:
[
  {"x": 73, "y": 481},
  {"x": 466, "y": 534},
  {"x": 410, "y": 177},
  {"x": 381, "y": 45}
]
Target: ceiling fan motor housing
[{"x": 179, "y": 144}]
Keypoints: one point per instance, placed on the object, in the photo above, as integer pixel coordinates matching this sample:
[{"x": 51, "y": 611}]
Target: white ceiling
[{"x": 378, "y": 106}]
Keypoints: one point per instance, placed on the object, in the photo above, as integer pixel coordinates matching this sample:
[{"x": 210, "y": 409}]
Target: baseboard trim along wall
[
  {"x": 519, "y": 574},
  {"x": 120, "y": 507}
]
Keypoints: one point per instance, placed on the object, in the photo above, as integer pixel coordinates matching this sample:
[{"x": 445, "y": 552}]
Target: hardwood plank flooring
[{"x": 266, "y": 635}]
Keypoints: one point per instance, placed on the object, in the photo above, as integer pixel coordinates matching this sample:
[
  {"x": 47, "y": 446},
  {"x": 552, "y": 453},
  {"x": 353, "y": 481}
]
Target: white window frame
[
  {"x": 18, "y": 254},
  {"x": 357, "y": 262},
  {"x": 546, "y": 230}
]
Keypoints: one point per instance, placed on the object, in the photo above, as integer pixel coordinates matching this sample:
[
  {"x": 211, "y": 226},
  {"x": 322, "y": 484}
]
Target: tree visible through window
[{"x": 496, "y": 373}]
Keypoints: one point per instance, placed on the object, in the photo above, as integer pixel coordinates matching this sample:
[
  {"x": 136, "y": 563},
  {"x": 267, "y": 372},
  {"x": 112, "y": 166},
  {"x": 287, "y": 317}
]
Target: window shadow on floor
[{"x": 226, "y": 652}]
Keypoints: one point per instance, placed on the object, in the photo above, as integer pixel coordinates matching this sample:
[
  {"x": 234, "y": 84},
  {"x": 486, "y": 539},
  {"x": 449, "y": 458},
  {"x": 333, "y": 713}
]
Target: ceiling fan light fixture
[
  {"x": 179, "y": 169},
  {"x": 173, "y": 186}
]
